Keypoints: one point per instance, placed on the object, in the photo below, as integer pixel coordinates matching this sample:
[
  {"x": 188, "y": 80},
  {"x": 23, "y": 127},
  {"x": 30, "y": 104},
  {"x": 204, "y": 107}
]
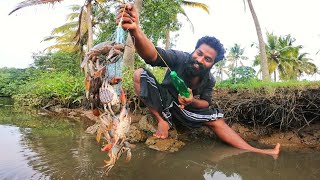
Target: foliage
[
  {"x": 286, "y": 59},
  {"x": 55, "y": 76},
  {"x": 258, "y": 84},
  {"x": 12, "y": 78},
  {"x": 58, "y": 86},
  {"x": 235, "y": 56},
  {"x": 65, "y": 36},
  {"x": 242, "y": 74},
  {"x": 60, "y": 61},
  {"x": 127, "y": 83},
  {"x": 159, "y": 15},
  {"x": 104, "y": 22}
]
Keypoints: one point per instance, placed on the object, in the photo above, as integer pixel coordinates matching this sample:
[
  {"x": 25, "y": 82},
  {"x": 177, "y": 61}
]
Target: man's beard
[{"x": 192, "y": 70}]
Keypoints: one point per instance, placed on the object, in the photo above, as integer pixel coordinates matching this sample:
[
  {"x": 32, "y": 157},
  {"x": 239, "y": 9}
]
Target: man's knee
[
  {"x": 137, "y": 74},
  {"x": 216, "y": 123}
]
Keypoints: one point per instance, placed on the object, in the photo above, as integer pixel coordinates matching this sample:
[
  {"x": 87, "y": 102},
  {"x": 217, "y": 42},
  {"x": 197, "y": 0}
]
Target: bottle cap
[{"x": 173, "y": 73}]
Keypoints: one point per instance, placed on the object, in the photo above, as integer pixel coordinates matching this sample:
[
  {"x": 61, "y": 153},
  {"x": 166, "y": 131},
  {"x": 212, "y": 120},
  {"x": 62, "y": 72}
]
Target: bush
[{"x": 60, "y": 87}]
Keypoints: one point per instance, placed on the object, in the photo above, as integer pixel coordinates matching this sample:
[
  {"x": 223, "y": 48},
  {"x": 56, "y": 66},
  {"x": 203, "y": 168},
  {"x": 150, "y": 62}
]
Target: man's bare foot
[
  {"x": 162, "y": 131},
  {"x": 276, "y": 151},
  {"x": 273, "y": 152}
]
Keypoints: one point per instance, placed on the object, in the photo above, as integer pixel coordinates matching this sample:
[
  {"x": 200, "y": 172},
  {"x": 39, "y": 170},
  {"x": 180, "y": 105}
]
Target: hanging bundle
[{"x": 103, "y": 87}]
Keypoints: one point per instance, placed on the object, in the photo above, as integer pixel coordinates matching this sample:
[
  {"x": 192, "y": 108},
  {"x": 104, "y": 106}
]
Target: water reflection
[
  {"x": 40, "y": 147},
  {"x": 13, "y": 164},
  {"x": 210, "y": 174}
]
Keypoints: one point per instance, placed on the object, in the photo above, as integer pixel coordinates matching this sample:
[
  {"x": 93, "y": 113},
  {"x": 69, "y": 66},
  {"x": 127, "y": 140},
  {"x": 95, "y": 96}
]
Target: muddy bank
[
  {"x": 144, "y": 125},
  {"x": 279, "y": 108}
]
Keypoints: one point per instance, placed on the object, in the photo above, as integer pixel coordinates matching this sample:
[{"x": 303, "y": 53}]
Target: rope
[{"x": 163, "y": 60}]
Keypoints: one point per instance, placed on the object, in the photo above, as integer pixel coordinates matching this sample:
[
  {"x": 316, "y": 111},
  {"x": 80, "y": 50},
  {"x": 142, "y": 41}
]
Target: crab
[
  {"x": 107, "y": 51},
  {"x": 119, "y": 144},
  {"x": 114, "y": 154},
  {"x": 108, "y": 97}
]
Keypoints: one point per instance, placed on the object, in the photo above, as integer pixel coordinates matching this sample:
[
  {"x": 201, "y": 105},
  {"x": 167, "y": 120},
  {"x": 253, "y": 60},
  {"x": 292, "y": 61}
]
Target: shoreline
[{"x": 143, "y": 125}]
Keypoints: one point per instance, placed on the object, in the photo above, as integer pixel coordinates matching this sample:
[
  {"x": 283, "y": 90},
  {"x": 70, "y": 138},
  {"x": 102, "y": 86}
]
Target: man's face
[{"x": 203, "y": 60}]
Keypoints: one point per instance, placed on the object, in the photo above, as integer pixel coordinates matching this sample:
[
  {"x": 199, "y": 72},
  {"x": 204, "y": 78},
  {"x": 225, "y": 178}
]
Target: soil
[{"x": 143, "y": 126}]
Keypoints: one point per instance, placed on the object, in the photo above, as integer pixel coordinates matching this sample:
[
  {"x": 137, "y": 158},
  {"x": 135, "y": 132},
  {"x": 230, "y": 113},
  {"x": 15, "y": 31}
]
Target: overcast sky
[{"x": 22, "y": 32}]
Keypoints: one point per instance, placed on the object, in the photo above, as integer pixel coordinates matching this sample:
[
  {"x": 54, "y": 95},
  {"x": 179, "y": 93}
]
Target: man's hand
[
  {"x": 184, "y": 100},
  {"x": 128, "y": 16}
]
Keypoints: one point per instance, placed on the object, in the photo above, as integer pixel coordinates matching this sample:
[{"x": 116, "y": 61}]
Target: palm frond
[
  {"x": 67, "y": 47},
  {"x": 188, "y": 19},
  {"x": 49, "y": 38},
  {"x": 65, "y": 27},
  {"x": 32, "y": 3},
  {"x": 73, "y": 16},
  {"x": 197, "y": 5}
]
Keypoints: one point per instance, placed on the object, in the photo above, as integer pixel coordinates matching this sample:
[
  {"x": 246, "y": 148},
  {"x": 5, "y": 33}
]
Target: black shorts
[{"x": 159, "y": 98}]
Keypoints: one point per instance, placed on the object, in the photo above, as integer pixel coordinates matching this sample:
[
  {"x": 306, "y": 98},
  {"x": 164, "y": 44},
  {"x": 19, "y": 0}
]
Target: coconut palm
[
  {"x": 84, "y": 15},
  {"x": 235, "y": 56},
  {"x": 220, "y": 68},
  {"x": 301, "y": 65},
  {"x": 65, "y": 35},
  {"x": 264, "y": 61},
  {"x": 285, "y": 58}
]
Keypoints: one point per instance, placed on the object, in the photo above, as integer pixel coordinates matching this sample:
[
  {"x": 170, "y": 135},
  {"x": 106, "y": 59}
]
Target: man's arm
[{"x": 130, "y": 22}]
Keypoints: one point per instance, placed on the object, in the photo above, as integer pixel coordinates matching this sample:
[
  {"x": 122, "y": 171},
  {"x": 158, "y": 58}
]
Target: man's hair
[{"x": 215, "y": 44}]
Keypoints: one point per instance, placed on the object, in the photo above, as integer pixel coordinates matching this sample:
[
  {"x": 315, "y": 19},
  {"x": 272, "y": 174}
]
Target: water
[{"x": 39, "y": 147}]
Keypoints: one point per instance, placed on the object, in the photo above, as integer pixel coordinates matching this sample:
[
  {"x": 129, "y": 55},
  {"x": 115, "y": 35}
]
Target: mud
[{"x": 143, "y": 126}]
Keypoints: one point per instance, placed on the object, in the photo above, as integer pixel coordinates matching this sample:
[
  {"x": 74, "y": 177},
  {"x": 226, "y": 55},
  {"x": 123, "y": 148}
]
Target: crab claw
[
  {"x": 115, "y": 80},
  {"x": 123, "y": 97},
  {"x": 128, "y": 157},
  {"x": 106, "y": 148}
]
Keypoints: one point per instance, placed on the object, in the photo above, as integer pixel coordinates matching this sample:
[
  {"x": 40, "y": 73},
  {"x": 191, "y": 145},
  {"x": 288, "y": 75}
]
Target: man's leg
[
  {"x": 163, "y": 126},
  {"x": 226, "y": 134}
]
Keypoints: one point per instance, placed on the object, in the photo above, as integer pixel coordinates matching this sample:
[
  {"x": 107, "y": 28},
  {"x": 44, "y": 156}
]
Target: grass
[{"x": 254, "y": 84}]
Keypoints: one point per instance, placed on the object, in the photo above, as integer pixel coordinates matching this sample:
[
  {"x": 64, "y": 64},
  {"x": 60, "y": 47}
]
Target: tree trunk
[
  {"x": 167, "y": 43},
  {"x": 129, "y": 52},
  {"x": 264, "y": 63},
  {"x": 89, "y": 26}
]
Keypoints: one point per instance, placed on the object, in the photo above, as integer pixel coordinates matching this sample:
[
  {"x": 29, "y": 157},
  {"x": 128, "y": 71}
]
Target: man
[{"x": 163, "y": 100}]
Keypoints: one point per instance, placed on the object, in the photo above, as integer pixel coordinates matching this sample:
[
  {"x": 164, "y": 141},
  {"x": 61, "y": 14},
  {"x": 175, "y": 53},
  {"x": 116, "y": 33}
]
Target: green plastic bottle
[{"x": 179, "y": 84}]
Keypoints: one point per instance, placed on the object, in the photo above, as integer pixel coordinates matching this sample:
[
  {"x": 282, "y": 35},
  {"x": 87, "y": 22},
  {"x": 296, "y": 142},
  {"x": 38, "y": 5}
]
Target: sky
[{"x": 22, "y": 32}]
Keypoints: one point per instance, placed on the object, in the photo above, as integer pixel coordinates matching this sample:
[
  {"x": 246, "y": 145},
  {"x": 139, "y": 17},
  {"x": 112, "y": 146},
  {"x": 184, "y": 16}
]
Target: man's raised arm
[{"x": 130, "y": 21}]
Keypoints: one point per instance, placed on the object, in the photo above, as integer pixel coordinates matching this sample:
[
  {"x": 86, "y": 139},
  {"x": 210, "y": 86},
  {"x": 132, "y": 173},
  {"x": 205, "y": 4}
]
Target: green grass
[
  {"x": 62, "y": 87},
  {"x": 254, "y": 84}
]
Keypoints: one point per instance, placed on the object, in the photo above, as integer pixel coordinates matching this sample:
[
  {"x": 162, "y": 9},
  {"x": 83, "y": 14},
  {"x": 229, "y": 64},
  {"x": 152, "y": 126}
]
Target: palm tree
[
  {"x": 301, "y": 65},
  {"x": 264, "y": 62},
  {"x": 221, "y": 69},
  {"x": 235, "y": 56},
  {"x": 285, "y": 58},
  {"x": 85, "y": 14},
  {"x": 65, "y": 35}
]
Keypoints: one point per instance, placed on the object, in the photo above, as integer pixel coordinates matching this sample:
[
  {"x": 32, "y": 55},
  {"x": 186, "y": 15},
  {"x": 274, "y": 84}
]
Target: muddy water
[{"x": 39, "y": 147}]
